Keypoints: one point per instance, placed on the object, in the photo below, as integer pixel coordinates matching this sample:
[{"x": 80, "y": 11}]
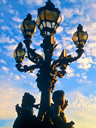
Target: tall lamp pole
[{"x": 48, "y": 20}]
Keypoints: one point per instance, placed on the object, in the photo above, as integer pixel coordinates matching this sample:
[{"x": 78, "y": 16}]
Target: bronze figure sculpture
[{"x": 25, "y": 113}]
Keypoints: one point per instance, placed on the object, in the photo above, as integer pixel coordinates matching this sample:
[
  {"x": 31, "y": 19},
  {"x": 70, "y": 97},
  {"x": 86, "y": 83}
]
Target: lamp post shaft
[
  {"x": 45, "y": 102},
  {"x": 44, "y": 78}
]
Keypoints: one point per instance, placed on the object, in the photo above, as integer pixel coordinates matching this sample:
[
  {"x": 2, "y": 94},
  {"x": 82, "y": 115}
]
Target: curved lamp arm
[
  {"x": 26, "y": 68},
  {"x": 63, "y": 62}
]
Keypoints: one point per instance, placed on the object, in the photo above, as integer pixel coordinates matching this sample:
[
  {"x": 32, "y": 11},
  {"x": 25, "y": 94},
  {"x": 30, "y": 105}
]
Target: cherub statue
[
  {"x": 25, "y": 118},
  {"x": 55, "y": 112}
]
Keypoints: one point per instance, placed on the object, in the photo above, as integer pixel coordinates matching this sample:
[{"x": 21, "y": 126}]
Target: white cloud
[
  {"x": 85, "y": 63},
  {"x": 21, "y": 1},
  {"x": 32, "y": 1},
  {"x": 6, "y": 28},
  {"x": 29, "y": 2},
  {"x": 91, "y": 49},
  {"x": 4, "y": 1},
  {"x": 34, "y": 12},
  {"x": 58, "y": 83},
  {"x": 59, "y": 46},
  {"x": 33, "y": 74},
  {"x": 70, "y": 72},
  {"x": 33, "y": 85},
  {"x": 77, "y": 11},
  {"x": 67, "y": 13},
  {"x": 23, "y": 76},
  {"x": 16, "y": 77},
  {"x": 11, "y": 11},
  {"x": 39, "y": 52},
  {"x": 17, "y": 19},
  {"x": 5, "y": 69},
  {"x": 18, "y": 37},
  {"x": 78, "y": 75},
  {"x": 10, "y": 50},
  {"x": 2, "y": 14},
  {"x": 4, "y": 39},
  {"x": 36, "y": 43},
  {"x": 67, "y": 39},
  {"x": 71, "y": 31},
  {"x": 17, "y": 26},
  {"x": 82, "y": 109},
  {"x": 1, "y": 20},
  {"x": 9, "y": 97},
  {"x": 84, "y": 79},
  {"x": 59, "y": 29},
  {"x": 57, "y": 52},
  {"x": 72, "y": 0},
  {"x": 27, "y": 62},
  {"x": 91, "y": 30},
  {"x": 2, "y": 61}
]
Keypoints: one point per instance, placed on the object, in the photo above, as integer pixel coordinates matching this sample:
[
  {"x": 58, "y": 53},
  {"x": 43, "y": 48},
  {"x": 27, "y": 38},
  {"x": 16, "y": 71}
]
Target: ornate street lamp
[
  {"x": 19, "y": 54},
  {"x": 80, "y": 37},
  {"x": 48, "y": 19}
]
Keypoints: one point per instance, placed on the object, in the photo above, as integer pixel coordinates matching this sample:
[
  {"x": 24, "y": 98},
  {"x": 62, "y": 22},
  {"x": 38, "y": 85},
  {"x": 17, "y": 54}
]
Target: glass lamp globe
[
  {"x": 48, "y": 19},
  {"x": 19, "y": 55},
  {"x": 28, "y": 27},
  {"x": 80, "y": 37}
]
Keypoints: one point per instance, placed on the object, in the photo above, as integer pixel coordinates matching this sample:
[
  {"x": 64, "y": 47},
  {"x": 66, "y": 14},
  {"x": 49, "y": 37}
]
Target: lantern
[
  {"x": 48, "y": 19},
  {"x": 28, "y": 27},
  {"x": 19, "y": 54},
  {"x": 80, "y": 37}
]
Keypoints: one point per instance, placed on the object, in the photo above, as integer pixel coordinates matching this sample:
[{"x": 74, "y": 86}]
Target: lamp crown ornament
[{"x": 80, "y": 28}]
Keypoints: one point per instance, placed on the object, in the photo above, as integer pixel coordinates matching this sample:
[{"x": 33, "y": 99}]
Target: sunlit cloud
[
  {"x": 59, "y": 29},
  {"x": 11, "y": 11},
  {"x": 33, "y": 74},
  {"x": 27, "y": 62},
  {"x": 85, "y": 63},
  {"x": 67, "y": 13},
  {"x": 5, "y": 69},
  {"x": 6, "y": 28},
  {"x": 9, "y": 97},
  {"x": 16, "y": 77},
  {"x": 58, "y": 83},
  {"x": 5, "y": 39},
  {"x": 2, "y": 61},
  {"x": 29, "y": 2},
  {"x": 23, "y": 76},
  {"x": 17, "y": 19},
  {"x": 1, "y": 20},
  {"x": 10, "y": 50},
  {"x": 81, "y": 109},
  {"x": 4, "y": 1},
  {"x": 21, "y": 1},
  {"x": 77, "y": 11},
  {"x": 39, "y": 51},
  {"x": 91, "y": 49},
  {"x": 70, "y": 72},
  {"x": 33, "y": 85},
  {"x": 78, "y": 75}
]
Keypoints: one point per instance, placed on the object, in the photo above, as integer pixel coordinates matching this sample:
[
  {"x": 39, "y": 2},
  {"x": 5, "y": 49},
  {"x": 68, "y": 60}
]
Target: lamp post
[{"x": 48, "y": 20}]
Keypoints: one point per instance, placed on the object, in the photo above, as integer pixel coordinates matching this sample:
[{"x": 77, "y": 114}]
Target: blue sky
[{"x": 79, "y": 83}]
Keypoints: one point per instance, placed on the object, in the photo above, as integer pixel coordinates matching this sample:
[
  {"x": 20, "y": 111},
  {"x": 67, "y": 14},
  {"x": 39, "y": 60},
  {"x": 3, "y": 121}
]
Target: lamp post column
[{"x": 45, "y": 80}]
